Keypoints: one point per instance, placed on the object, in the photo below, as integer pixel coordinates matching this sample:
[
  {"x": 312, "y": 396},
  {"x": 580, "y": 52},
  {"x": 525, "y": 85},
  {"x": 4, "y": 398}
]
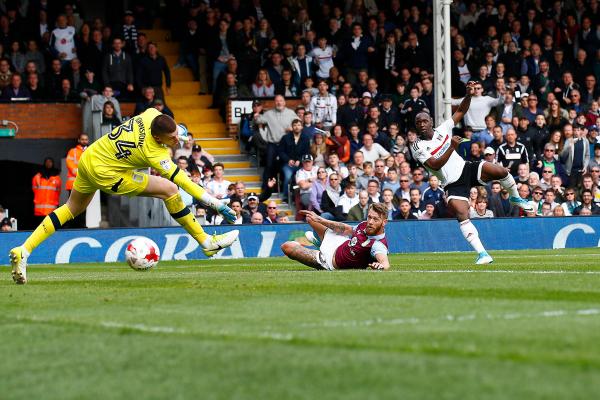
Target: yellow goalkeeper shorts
[{"x": 124, "y": 182}]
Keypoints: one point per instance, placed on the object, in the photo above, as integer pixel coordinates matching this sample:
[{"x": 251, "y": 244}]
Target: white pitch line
[
  {"x": 143, "y": 328},
  {"x": 451, "y": 318},
  {"x": 490, "y": 271}
]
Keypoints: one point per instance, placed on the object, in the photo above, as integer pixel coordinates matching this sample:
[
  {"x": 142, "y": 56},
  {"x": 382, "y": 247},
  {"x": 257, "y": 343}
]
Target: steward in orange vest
[
  {"x": 73, "y": 157},
  {"x": 46, "y": 186}
]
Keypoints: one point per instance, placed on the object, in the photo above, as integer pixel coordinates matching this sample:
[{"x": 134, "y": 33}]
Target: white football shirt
[
  {"x": 440, "y": 143},
  {"x": 64, "y": 41},
  {"x": 324, "y": 58}
]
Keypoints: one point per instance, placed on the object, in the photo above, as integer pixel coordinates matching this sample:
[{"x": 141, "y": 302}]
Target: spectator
[
  {"x": 5, "y": 225},
  {"x": 334, "y": 166},
  {"x": 339, "y": 143},
  {"x": 151, "y": 69},
  {"x": 416, "y": 205},
  {"x": 35, "y": 89},
  {"x": 378, "y": 137},
  {"x": 481, "y": 210},
  {"x": 108, "y": 115},
  {"x": 292, "y": 147},
  {"x": 220, "y": 48},
  {"x": 587, "y": 202},
  {"x": 559, "y": 212},
  {"x": 307, "y": 122},
  {"x": 279, "y": 121},
  {"x": 256, "y": 218},
  {"x": 17, "y": 58},
  {"x": 231, "y": 89},
  {"x": 254, "y": 205},
  {"x": 387, "y": 196},
  {"x": 117, "y": 69},
  {"x": 412, "y": 107},
  {"x": 430, "y": 211},
  {"x": 262, "y": 86},
  {"x": 351, "y": 113},
  {"x": 128, "y": 31},
  {"x": 373, "y": 190},
  {"x": 218, "y": 185},
  {"x": 317, "y": 190},
  {"x": 287, "y": 87},
  {"x": 507, "y": 111},
  {"x": 571, "y": 203},
  {"x": 367, "y": 174},
  {"x": 67, "y": 93},
  {"x": 35, "y": 56},
  {"x": 489, "y": 155},
  {"x": 199, "y": 160},
  {"x": 318, "y": 149},
  {"x": 391, "y": 181},
  {"x": 53, "y": 80},
  {"x": 148, "y": 97},
  {"x": 404, "y": 191},
  {"x": 549, "y": 198},
  {"x": 418, "y": 180},
  {"x": 160, "y": 106},
  {"x": 348, "y": 200},
  {"x": 16, "y": 90},
  {"x": 323, "y": 58},
  {"x": 240, "y": 192},
  {"x": 359, "y": 211},
  {"x": 355, "y": 52},
  {"x": 480, "y": 107},
  {"x": 548, "y": 160},
  {"x": 486, "y": 135},
  {"x": 46, "y": 186},
  {"x": 433, "y": 193},
  {"x": 372, "y": 151},
  {"x": 302, "y": 65},
  {"x": 512, "y": 153},
  {"x": 595, "y": 161},
  {"x": 272, "y": 211},
  {"x": 305, "y": 177},
  {"x": 324, "y": 107},
  {"x": 576, "y": 155},
  {"x": 242, "y": 217},
  {"x": 499, "y": 202},
  {"x": 532, "y": 109},
  {"x": 404, "y": 211},
  {"x": 330, "y": 199},
  {"x": 89, "y": 85},
  {"x": 62, "y": 40}
]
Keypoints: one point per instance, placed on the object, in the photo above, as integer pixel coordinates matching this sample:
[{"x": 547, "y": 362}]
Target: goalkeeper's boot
[
  {"x": 312, "y": 238},
  {"x": 18, "y": 261},
  {"x": 219, "y": 242},
  {"x": 521, "y": 203},
  {"x": 484, "y": 258}
]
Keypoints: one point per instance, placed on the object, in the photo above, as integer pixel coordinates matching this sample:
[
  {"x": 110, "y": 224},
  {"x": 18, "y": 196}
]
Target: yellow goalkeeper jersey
[{"x": 110, "y": 163}]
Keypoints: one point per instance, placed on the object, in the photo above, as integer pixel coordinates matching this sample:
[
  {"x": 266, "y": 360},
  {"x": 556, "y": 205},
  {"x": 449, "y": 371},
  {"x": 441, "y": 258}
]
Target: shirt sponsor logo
[{"x": 165, "y": 164}]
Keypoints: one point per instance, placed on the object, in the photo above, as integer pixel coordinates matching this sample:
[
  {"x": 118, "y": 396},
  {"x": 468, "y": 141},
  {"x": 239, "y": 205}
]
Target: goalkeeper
[{"x": 110, "y": 165}]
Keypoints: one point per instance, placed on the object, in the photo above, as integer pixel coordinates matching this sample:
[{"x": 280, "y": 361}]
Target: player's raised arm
[
  {"x": 337, "y": 227},
  {"x": 464, "y": 105}
]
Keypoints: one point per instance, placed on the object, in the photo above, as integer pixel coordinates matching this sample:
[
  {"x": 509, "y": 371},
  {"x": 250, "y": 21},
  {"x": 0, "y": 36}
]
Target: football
[{"x": 142, "y": 254}]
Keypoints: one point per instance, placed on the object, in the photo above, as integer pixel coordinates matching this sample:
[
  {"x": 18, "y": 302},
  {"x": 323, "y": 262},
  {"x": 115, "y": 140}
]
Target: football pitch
[{"x": 434, "y": 327}]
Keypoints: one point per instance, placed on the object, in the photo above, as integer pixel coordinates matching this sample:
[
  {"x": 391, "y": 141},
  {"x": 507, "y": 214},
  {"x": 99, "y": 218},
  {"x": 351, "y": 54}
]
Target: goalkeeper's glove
[{"x": 227, "y": 213}]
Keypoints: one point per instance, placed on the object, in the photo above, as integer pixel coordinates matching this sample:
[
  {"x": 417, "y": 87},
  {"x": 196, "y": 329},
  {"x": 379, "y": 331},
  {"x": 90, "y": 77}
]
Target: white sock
[
  {"x": 471, "y": 235},
  {"x": 509, "y": 184}
]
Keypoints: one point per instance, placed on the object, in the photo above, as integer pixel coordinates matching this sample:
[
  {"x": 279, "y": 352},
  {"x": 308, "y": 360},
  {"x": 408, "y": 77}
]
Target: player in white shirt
[
  {"x": 436, "y": 152},
  {"x": 323, "y": 57},
  {"x": 218, "y": 185}
]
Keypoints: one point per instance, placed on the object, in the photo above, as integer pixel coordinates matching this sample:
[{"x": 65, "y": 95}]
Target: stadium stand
[{"x": 354, "y": 73}]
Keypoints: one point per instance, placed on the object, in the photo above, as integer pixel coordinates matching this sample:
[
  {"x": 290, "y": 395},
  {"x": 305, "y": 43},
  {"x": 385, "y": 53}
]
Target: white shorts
[{"x": 329, "y": 245}]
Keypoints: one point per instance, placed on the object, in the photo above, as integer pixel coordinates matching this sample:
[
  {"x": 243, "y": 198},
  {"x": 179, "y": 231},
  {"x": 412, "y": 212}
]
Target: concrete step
[
  {"x": 222, "y": 143},
  {"x": 181, "y": 74},
  {"x": 243, "y": 171},
  {"x": 179, "y": 88},
  {"x": 243, "y": 178},
  {"x": 168, "y": 48},
  {"x": 202, "y": 128},
  {"x": 234, "y": 164},
  {"x": 204, "y": 134},
  {"x": 189, "y": 101},
  {"x": 171, "y": 59},
  {"x": 157, "y": 35},
  {"x": 198, "y": 115},
  {"x": 217, "y": 151},
  {"x": 234, "y": 158}
]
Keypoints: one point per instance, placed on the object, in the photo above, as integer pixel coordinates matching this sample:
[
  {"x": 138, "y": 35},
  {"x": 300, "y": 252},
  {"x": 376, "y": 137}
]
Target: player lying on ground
[
  {"x": 436, "y": 151},
  {"x": 341, "y": 246},
  {"x": 110, "y": 165}
]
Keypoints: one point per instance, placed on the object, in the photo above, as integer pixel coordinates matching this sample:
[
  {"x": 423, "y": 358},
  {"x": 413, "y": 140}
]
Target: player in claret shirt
[
  {"x": 341, "y": 246},
  {"x": 435, "y": 150}
]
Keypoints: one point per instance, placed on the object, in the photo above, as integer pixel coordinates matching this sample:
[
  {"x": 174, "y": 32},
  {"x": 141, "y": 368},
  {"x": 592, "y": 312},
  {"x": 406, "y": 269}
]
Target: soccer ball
[{"x": 142, "y": 254}]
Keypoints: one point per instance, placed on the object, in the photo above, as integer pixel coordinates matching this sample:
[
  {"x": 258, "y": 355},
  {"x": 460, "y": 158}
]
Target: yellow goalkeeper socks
[
  {"x": 184, "y": 217},
  {"x": 53, "y": 221}
]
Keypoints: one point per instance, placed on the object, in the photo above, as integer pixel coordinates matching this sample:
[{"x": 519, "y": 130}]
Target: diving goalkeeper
[{"x": 110, "y": 164}]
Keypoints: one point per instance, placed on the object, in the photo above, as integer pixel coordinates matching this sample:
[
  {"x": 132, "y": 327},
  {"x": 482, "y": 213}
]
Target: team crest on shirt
[
  {"x": 353, "y": 241},
  {"x": 165, "y": 164},
  {"x": 138, "y": 177}
]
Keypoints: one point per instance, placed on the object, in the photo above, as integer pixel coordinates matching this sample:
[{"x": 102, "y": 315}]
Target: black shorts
[{"x": 471, "y": 176}]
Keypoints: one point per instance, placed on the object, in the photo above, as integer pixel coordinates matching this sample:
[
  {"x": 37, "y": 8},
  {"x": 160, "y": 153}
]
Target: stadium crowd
[{"x": 357, "y": 72}]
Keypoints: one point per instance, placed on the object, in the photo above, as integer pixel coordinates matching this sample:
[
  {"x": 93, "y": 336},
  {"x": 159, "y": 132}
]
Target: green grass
[{"x": 272, "y": 329}]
